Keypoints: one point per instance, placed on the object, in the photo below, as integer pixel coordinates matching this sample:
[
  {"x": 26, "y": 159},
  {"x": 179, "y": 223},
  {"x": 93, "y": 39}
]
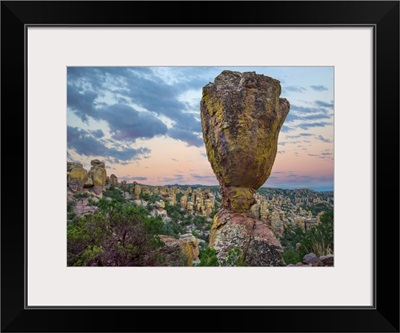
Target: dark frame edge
[{"x": 386, "y": 319}]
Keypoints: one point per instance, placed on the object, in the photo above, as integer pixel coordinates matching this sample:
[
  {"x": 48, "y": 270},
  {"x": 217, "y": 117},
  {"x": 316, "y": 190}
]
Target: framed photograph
[{"x": 222, "y": 162}]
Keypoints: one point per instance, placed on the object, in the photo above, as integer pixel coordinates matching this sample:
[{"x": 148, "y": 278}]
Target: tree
[{"x": 118, "y": 235}]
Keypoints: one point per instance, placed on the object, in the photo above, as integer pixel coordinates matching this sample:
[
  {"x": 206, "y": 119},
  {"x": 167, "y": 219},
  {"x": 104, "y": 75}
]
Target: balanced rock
[
  {"x": 76, "y": 176},
  {"x": 241, "y": 116}
]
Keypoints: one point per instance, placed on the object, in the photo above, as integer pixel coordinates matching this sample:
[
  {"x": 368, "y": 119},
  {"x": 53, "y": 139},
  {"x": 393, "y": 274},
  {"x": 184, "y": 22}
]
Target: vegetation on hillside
[
  {"x": 298, "y": 242},
  {"x": 122, "y": 234}
]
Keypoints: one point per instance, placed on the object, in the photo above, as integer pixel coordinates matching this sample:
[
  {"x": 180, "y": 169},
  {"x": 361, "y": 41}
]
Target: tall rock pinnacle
[{"x": 241, "y": 116}]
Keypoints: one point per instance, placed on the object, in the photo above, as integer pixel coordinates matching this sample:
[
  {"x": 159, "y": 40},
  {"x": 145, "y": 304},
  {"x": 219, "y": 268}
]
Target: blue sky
[{"x": 144, "y": 122}]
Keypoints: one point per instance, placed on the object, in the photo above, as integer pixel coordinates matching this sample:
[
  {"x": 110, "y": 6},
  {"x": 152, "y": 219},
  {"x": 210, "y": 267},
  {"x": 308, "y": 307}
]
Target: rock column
[{"x": 241, "y": 115}]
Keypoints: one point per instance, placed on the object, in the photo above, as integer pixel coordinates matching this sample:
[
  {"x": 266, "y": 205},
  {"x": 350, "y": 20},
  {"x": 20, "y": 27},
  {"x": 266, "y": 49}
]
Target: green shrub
[
  {"x": 291, "y": 257},
  {"x": 316, "y": 208},
  {"x": 234, "y": 257},
  {"x": 327, "y": 216},
  {"x": 118, "y": 235},
  {"x": 319, "y": 240},
  {"x": 178, "y": 198},
  {"x": 151, "y": 199},
  {"x": 83, "y": 195},
  {"x": 114, "y": 193},
  {"x": 291, "y": 236},
  {"x": 172, "y": 228},
  {"x": 209, "y": 258}
]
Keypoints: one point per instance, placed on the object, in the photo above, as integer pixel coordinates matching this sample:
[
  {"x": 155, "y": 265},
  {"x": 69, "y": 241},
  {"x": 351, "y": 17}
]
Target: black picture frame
[{"x": 383, "y": 316}]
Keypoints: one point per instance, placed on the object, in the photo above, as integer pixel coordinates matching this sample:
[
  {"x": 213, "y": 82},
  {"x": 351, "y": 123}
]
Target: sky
[{"x": 144, "y": 123}]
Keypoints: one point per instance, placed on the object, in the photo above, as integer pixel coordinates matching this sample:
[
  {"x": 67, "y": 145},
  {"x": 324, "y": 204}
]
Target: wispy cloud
[
  {"x": 134, "y": 90},
  {"x": 294, "y": 88},
  {"x": 324, "y": 104},
  {"x": 319, "y": 88},
  {"x": 84, "y": 143},
  {"x": 300, "y": 135},
  {"x": 320, "y": 137},
  {"x": 307, "y": 126}
]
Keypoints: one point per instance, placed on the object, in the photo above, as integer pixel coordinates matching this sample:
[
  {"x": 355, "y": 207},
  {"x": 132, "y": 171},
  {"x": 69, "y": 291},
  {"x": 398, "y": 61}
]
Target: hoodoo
[{"x": 241, "y": 116}]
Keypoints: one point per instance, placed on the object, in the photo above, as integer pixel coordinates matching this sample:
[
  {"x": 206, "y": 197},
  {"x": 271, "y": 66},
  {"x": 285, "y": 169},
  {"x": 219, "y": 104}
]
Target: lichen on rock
[
  {"x": 76, "y": 176},
  {"x": 97, "y": 177},
  {"x": 241, "y": 116}
]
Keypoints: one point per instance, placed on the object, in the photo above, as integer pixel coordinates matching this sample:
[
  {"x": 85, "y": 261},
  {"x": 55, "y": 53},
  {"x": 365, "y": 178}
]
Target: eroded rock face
[
  {"x": 97, "y": 176},
  {"x": 194, "y": 244},
  {"x": 176, "y": 252},
  {"x": 76, "y": 176},
  {"x": 241, "y": 116},
  {"x": 255, "y": 239},
  {"x": 83, "y": 207}
]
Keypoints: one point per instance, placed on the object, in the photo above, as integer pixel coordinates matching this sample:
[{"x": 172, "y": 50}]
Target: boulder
[
  {"x": 97, "y": 177},
  {"x": 71, "y": 165},
  {"x": 146, "y": 190},
  {"x": 176, "y": 252},
  {"x": 83, "y": 207},
  {"x": 254, "y": 238},
  {"x": 76, "y": 177},
  {"x": 327, "y": 260},
  {"x": 311, "y": 259},
  {"x": 113, "y": 179},
  {"x": 194, "y": 244},
  {"x": 159, "y": 205}
]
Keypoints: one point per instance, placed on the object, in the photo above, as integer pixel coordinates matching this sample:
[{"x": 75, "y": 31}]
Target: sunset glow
[{"x": 144, "y": 123}]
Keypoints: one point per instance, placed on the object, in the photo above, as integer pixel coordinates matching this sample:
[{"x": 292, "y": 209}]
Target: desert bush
[
  {"x": 83, "y": 195},
  {"x": 291, "y": 257},
  {"x": 318, "y": 239},
  {"x": 114, "y": 193},
  {"x": 234, "y": 257},
  {"x": 208, "y": 258},
  {"x": 118, "y": 235}
]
